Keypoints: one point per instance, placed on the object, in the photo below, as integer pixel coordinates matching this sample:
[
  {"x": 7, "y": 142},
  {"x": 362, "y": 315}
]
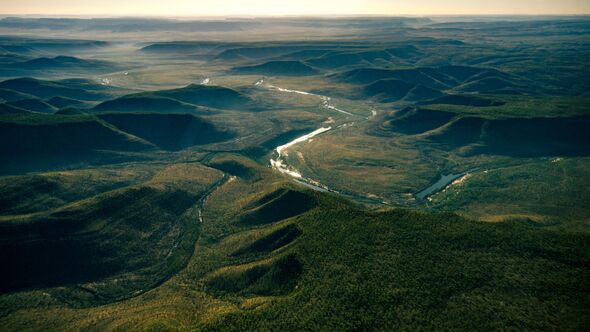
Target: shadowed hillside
[
  {"x": 278, "y": 205},
  {"x": 63, "y": 102},
  {"x": 275, "y": 240},
  {"x": 47, "y": 89},
  {"x": 390, "y": 90},
  {"x": 458, "y": 78},
  {"x": 145, "y": 102},
  {"x": 112, "y": 245},
  {"x": 273, "y": 278},
  {"x": 33, "y": 105},
  {"x": 412, "y": 121},
  {"x": 33, "y": 142},
  {"x": 168, "y": 131},
  {"x": 280, "y": 68},
  {"x": 518, "y": 136},
  {"x": 45, "y": 191},
  {"x": 62, "y": 134},
  {"x": 205, "y": 95},
  {"x": 8, "y": 109},
  {"x": 11, "y": 95},
  {"x": 466, "y": 100},
  {"x": 62, "y": 63}
]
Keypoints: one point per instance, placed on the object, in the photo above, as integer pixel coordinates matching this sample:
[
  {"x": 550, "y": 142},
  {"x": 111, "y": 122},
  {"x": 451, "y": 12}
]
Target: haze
[{"x": 285, "y": 7}]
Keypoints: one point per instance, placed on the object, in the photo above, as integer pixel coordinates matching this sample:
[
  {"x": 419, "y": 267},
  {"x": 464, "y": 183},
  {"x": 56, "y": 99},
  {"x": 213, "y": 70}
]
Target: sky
[{"x": 197, "y": 8}]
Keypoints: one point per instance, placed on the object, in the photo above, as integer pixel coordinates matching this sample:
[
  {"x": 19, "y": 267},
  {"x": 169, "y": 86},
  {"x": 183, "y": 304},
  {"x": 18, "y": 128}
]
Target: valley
[{"x": 375, "y": 173}]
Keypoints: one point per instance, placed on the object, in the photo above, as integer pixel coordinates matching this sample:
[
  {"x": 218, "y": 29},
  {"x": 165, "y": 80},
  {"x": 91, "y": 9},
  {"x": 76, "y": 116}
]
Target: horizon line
[{"x": 252, "y": 16}]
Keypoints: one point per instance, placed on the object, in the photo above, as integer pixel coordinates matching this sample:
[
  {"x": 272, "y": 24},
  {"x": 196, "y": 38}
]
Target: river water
[
  {"x": 438, "y": 185},
  {"x": 280, "y": 165}
]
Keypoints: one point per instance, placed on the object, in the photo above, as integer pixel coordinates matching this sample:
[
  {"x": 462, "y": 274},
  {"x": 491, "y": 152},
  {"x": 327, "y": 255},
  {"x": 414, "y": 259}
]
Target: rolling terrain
[{"x": 295, "y": 174}]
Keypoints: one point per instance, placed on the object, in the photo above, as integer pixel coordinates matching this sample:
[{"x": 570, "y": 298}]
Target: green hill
[
  {"x": 70, "y": 111},
  {"x": 465, "y": 100},
  {"x": 49, "y": 89},
  {"x": 391, "y": 90},
  {"x": 207, "y": 95},
  {"x": 276, "y": 206},
  {"x": 117, "y": 243},
  {"x": 261, "y": 51},
  {"x": 278, "y": 68},
  {"x": 336, "y": 59},
  {"x": 412, "y": 121},
  {"x": 461, "y": 78},
  {"x": 9, "y": 109},
  {"x": 63, "y": 102},
  {"x": 524, "y": 137},
  {"x": 39, "y": 192},
  {"x": 62, "y": 63},
  {"x": 402, "y": 269},
  {"x": 33, "y": 105},
  {"x": 493, "y": 85},
  {"x": 337, "y": 266},
  {"x": 54, "y": 133},
  {"x": 425, "y": 76},
  {"x": 144, "y": 102},
  {"x": 37, "y": 142},
  {"x": 11, "y": 95},
  {"x": 167, "y": 131}
]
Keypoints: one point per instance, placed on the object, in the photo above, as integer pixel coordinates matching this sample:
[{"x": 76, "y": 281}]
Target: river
[
  {"x": 280, "y": 165},
  {"x": 444, "y": 182}
]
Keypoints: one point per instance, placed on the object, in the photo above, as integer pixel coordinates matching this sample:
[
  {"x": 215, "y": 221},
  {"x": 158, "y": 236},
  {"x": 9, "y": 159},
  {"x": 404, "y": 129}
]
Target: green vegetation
[
  {"x": 47, "y": 89},
  {"x": 147, "y": 103},
  {"x": 168, "y": 131},
  {"x": 210, "y": 96},
  {"x": 137, "y": 192},
  {"x": 112, "y": 245},
  {"x": 351, "y": 269},
  {"x": 545, "y": 189},
  {"x": 280, "y": 68}
]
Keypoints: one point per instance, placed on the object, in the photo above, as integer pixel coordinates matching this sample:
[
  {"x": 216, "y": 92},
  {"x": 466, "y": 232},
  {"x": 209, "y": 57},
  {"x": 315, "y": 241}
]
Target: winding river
[
  {"x": 280, "y": 165},
  {"x": 325, "y": 99}
]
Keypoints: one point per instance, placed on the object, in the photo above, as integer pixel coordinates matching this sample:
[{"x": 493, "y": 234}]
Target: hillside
[
  {"x": 336, "y": 59},
  {"x": 295, "y": 173},
  {"x": 48, "y": 89},
  {"x": 8, "y": 109},
  {"x": 466, "y": 100},
  {"x": 33, "y": 105},
  {"x": 459, "y": 78},
  {"x": 67, "y": 63},
  {"x": 438, "y": 271},
  {"x": 390, "y": 90},
  {"x": 437, "y": 265},
  {"x": 280, "y": 68},
  {"x": 46, "y": 141},
  {"x": 412, "y": 121},
  {"x": 11, "y": 95},
  {"x": 206, "y": 95},
  {"x": 144, "y": 102},
  {"x": 103, "y": 239},
  {"x": 168, "y": 131},
  {"x": 37, "y": 133},
  {"x": 181, "y": 47},
  {"x": 537, "y": 137},
  {"x": 62, "y": 102}
]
